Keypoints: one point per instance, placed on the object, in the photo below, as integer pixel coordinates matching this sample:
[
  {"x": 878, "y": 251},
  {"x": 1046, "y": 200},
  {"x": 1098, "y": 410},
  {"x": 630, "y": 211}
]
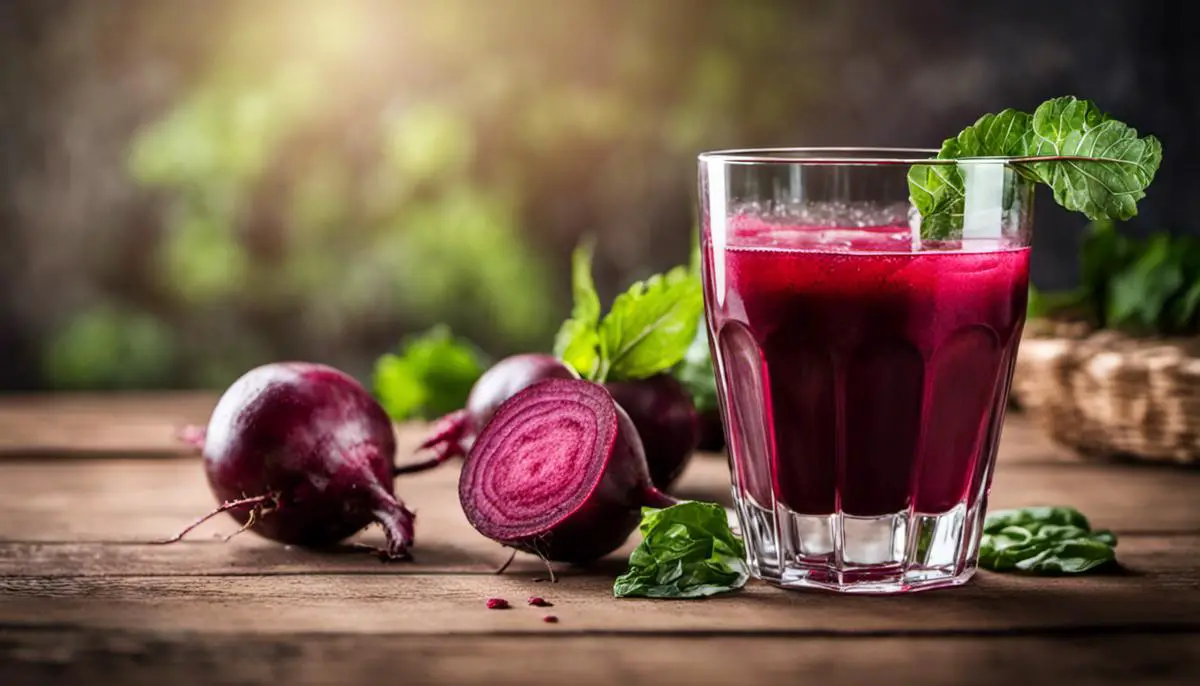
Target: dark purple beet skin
[
  {"x": 454, "y": 434},
  {"x": 315, "y": 443},
  {"x": 558, "y": 472},
  {"x": 712, "y": 432},
  {"x": 662, "y": 411}
]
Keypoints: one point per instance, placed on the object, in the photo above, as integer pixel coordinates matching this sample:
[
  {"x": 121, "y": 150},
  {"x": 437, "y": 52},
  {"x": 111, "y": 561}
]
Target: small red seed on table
[
  {"x": 538, "y": 601},
  {"x": 550, "y": 619},
  {"x": 497, "y": 604}
]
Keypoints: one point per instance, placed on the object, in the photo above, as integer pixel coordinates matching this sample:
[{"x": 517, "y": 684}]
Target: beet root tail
[
  {"x": 446, "y": 443},
  {"x": 397, "y": 523},
  {"x": 504, "y": 567},
  {"x": 441, "y": 454},
  {"x": 259, "y": 503},
  {"x": 448, "y": 429},
  {"x": 193, "y": 435}
]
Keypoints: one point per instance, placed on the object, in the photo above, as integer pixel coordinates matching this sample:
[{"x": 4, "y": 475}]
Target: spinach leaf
[
  {"x": 1035, "y": 517},
  {"x": 1044, "y": 540},
  {"x": 687, "y": 551}
]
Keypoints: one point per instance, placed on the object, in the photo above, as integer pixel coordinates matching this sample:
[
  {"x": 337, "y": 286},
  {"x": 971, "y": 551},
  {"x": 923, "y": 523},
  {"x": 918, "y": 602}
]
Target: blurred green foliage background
[
  {"x": 192, "y": 188},
  {"x": 334, "y": 175}
]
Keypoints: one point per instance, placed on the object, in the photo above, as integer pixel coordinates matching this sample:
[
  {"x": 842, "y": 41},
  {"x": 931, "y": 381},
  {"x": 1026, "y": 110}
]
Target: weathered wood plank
[
  {"x": 82, "y": 601},
  {"x": 455, "y": 604},
  {"x": 144, "y": 424},
  {"x": 139, "y": 500},
  {"x": 95, "y": 423},
  {"x": 1141, "y": 555},
  {"x": 47, "y": 658},
  {"x": 253, "y": 555}
]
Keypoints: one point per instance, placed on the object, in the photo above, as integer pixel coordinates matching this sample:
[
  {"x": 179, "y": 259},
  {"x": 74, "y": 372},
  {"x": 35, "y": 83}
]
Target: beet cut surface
[{"x": 558, "y": 472}]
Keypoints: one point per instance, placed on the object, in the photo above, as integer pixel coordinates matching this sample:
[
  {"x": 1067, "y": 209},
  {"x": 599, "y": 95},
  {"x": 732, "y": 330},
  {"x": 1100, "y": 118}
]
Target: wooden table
[{"x": 85, "y": 481}]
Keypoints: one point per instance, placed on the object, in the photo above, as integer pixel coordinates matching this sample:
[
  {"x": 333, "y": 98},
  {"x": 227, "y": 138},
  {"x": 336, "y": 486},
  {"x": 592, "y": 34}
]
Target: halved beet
[{"x": 559, "y": 472}]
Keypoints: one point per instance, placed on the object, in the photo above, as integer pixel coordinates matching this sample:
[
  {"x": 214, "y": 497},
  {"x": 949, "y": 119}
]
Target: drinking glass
[{"x": 862, "y": 363}]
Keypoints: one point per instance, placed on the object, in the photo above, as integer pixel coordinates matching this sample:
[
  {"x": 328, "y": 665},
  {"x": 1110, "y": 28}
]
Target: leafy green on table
[
  {"x": 647, "y": 330},
  {"x": 687, "y": 551},
  {"x": 1108, "y": 169},
  {"x": 1044, "y": 540},
  {"x": 430, "y": 376}
]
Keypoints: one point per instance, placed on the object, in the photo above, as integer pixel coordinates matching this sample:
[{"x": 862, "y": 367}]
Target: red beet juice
[{"x": 864, "y": 373}]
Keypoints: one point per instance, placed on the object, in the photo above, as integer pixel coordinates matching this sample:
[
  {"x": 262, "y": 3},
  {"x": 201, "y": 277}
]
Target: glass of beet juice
[{"x": 863, "y": 363}]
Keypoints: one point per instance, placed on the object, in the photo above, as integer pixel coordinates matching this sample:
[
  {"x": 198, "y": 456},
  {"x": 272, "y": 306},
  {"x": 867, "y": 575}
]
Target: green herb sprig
[{"x": 647, "y": 330}]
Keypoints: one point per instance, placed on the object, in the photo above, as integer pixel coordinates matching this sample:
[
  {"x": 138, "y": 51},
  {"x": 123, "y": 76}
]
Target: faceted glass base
[{"x": 893, "y": 553}]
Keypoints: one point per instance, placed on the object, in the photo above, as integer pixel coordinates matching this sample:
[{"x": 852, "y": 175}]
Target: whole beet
[
  {"x": 666, "y": 421},
  {"x": 454, "y": 434},
  {"x": 302, "y": 454},
  {"x": 712, "y": 432}
]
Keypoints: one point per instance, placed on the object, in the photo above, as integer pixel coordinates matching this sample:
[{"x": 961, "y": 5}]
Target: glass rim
[{"x": 830, "y": 156}]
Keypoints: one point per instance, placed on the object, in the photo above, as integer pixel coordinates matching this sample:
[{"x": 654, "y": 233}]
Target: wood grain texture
[
  {"x": 138, "y": 500},
  {"x": 455, "y": 604},
  {"x": 61, "y": 656},
  {"x": 101, "y": 424},
  {"x": 250, "y": 555},
  {"x": 145, "y": 425},
  {"x": 84, "y": 599}
]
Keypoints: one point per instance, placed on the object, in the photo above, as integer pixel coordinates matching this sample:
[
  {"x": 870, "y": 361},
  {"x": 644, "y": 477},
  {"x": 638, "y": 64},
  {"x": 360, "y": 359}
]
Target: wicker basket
[{"x": 1104, "y": 393}]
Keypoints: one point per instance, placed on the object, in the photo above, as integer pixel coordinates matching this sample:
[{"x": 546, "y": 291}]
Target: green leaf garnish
[
  {"x": 687, "y": 551},
  {"x": 1121, "y": 165},
  {"x": 938, "y": 191},
  {"x": 1044, "y": 540},
  {"x": 431, "y": 376},
  {"x": 1107, "y": 172},
  {"x": 578, "y": 340},
  {"x": 647, "y": 331}
]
